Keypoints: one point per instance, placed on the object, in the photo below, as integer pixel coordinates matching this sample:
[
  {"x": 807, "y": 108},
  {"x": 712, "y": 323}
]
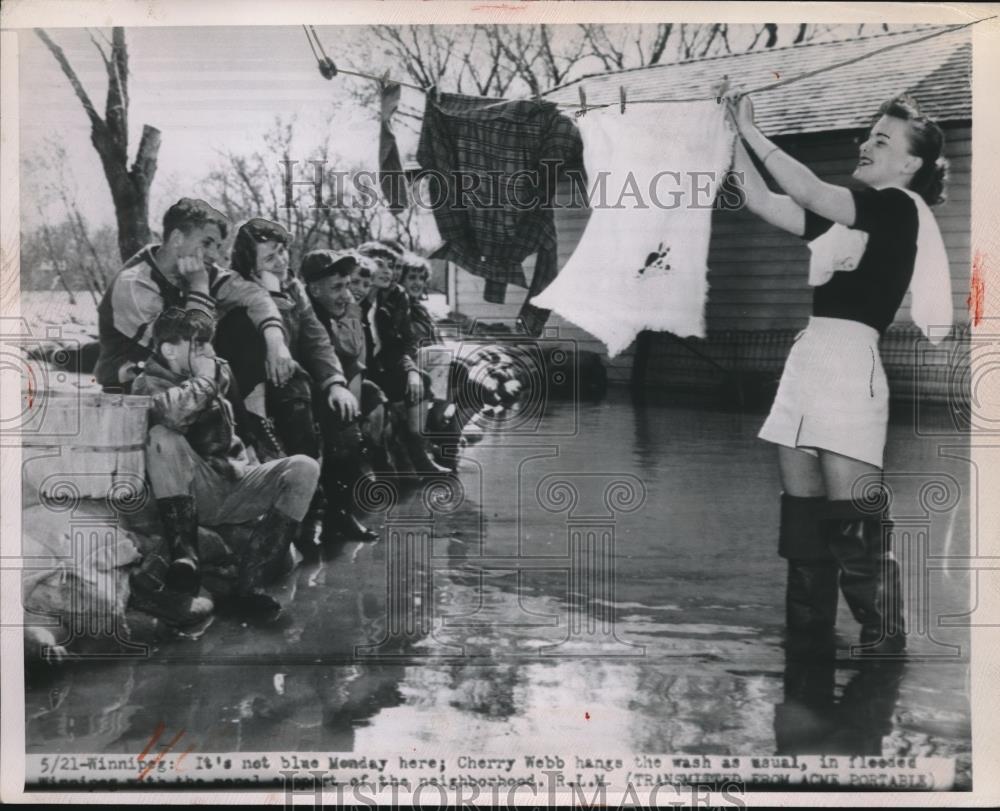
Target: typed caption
[{"x": 543, "y": 778}]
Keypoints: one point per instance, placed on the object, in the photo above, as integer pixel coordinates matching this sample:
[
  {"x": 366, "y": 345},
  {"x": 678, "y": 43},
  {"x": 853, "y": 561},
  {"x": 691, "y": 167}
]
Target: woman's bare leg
[
  {"x": 841, "y": 474},
  {"x": 801, "y": 474}
]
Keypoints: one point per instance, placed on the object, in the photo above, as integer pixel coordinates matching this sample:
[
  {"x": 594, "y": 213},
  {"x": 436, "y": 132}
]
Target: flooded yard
[{"x": 607, "y": 575}]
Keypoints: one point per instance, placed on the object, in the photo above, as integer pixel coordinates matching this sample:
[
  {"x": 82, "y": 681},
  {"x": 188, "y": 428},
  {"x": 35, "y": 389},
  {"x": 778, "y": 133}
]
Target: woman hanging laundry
[{"x": 830, "y": 415}]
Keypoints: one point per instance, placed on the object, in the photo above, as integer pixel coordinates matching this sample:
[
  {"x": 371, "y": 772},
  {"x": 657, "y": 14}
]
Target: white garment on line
[{"x": 641, "y": 263}]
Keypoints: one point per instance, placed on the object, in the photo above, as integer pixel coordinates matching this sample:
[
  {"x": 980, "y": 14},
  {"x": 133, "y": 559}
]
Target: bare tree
[
  {"x": 109, "y": 135},
  {"x": 83, "y": 255},
  {"x": 485, "y": 60},
  {"x": 51, "y": 255},
  {"x": 772, "y": 35},
  {"x": 620, "y": 47},
  {"x": 527, "y": 60},
  {"x": 254, "y": 185}
]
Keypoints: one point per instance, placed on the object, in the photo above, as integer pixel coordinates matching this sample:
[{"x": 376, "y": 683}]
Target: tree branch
[
  {"x": 119, "y": 53},
  {"x": 144, "y": 167},
  {"x": 660, "y": 43},
  {"x": 95, "y": 120}
]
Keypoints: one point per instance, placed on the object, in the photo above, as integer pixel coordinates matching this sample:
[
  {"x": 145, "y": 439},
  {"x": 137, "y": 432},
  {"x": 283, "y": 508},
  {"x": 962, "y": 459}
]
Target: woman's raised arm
[
  {"x": 777, "y": 209},
  {"x": 826, "y": 199}
]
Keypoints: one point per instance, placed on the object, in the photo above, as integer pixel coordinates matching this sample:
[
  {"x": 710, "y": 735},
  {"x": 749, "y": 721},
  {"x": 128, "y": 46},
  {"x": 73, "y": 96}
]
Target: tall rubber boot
[
  {"x": 339, "y": 522},
  {"x": 150, "y": 594},
  {"x": 811, "y": 586},
  {"x": 259, "y": 433},
  {"x": 179, "y": 517},
  {"x": 346, "y": 461},
  {"x": 306, "y": 541},
  {"x": 869, "y": 576},
  {"x": 269, "y": 541},
  {"x": 292, "y": 412},
  {"x": 420, "y": 458},
  {"x": 295, "y": 426}
]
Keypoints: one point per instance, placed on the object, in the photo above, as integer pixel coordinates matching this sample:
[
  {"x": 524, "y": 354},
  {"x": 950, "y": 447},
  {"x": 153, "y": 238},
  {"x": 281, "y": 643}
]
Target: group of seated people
[{"x": 273, "y": 393}]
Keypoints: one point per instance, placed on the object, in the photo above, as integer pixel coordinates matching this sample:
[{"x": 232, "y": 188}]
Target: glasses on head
[{"x": 266, "y": 231}]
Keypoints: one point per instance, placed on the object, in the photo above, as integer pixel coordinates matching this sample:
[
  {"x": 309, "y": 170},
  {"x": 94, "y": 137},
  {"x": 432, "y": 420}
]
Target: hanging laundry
[
  {"x": 505, "y": 147},
  {"x": 641, "y": 263},
  {"x": 390, "y": 174}
]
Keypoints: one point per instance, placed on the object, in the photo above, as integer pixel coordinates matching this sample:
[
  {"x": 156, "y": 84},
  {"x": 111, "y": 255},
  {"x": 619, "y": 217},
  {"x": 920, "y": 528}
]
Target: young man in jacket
[
  {"x": 329, "y": 278},
  {"x": 179, "y": 272},
  {"x": 198, "y": 466}
]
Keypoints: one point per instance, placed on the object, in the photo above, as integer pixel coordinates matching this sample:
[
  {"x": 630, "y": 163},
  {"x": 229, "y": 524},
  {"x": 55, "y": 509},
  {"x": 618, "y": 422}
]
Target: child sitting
[{"x": 198, "y": 467}]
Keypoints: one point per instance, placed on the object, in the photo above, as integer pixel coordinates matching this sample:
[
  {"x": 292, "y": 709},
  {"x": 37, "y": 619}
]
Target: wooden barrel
[{"x": 81, "y": 445}]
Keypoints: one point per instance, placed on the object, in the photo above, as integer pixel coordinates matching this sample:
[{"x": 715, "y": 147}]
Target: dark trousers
[
  {"x": 290, "y": 406},
  {"x": 295, "y": 407}
]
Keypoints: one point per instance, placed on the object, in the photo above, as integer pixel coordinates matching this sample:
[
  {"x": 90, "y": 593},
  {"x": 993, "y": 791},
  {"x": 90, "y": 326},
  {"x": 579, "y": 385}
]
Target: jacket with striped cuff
[{"x": 138, "y": 294}]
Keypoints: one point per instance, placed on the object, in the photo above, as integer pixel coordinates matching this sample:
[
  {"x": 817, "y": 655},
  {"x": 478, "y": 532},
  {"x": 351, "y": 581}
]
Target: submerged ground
[{"x": 605, "y": 575}]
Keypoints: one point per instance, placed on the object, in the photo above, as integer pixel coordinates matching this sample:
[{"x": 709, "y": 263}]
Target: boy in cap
[{"x": 328, "y": 276}]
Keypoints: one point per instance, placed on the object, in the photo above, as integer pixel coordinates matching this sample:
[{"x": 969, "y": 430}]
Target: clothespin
[
  {"x": 722, "y": 89},
  {"x": 327, "y": 67},
  {"x": 621, "y": 98},
  {"x": 583, "y": 103}
]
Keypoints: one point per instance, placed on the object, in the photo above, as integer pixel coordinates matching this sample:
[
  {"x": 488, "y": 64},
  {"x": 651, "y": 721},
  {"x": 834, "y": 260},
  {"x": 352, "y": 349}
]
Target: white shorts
[{"x": 833, "y": 393}]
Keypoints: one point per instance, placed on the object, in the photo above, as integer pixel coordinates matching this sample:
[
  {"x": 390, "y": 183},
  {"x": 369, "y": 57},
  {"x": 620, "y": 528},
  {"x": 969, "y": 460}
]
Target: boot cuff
[{"x": 850, "y": 510}]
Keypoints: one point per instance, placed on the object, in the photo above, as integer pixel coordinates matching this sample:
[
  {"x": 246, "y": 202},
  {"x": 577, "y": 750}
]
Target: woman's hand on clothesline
[
  {"x": 740, "y": 109},
  {"x": 744, "y": 113}
]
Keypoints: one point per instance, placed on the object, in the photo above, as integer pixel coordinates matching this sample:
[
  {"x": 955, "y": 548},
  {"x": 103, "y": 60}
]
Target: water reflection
[
  {"x": 467, "y": 625},
  {"x": 812, "y": 720}
]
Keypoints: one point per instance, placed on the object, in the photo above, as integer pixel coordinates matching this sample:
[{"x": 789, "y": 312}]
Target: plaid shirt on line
[{"x": 503, "y": 144}]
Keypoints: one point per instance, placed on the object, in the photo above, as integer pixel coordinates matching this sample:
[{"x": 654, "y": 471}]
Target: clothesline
[{"x": 329, "y": 69}]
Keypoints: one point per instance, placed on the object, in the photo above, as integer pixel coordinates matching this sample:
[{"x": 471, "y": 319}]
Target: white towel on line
[{"x": 642, "y": 264}]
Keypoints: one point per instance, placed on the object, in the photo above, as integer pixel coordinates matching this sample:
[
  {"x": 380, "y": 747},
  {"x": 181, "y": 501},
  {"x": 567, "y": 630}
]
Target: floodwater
[{"x": 604, "y": 577}]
